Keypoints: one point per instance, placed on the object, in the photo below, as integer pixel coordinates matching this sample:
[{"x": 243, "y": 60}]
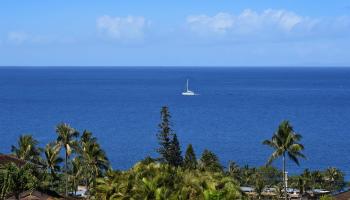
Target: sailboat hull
[{"x": 188, "y": 94}]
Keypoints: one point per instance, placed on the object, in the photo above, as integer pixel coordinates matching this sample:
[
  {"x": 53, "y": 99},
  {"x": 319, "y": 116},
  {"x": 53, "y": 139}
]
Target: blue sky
[{"x": 175, "y": 33}]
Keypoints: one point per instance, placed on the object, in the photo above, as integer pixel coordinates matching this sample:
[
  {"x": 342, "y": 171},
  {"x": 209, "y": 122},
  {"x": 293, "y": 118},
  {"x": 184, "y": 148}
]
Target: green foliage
[
  {"x": 15, "y": 179},
  {"x": 162, "y": 181},
  {"x": 175, "y": 152},
  {"x": 326, "y": 197},
  {"x": 334, "y": 179},
  {"x": 164, "y": 135},
  {"x": 92, "y": 161},
  {"x": 66, "y": 139},
  {"x": 27, "y": 149},
  {"x": 247, "y": 176},
  {"x": 88, "y": 161},
  {"x": 285, "y": 142},
  {"x": 270, "y": 175},
  {"x": 190, "y": 160},
  {"x": 266, "y": 175},
  {"x": 148, "y": 160},
  {"x": 210, "y": 162},
  {"x": 52, "y": 159},
  {"x": 75, "y": 173},
  {"x": 331, "y": 179},
  {"x": 259, "y": 185},
  {"x": 234, "y": 171}
]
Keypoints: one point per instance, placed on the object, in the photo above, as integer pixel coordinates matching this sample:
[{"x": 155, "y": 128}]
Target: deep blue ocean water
[{"x": 236, "y": 110}]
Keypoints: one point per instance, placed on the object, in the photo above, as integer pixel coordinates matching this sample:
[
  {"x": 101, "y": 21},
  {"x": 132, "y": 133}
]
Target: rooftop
[{"x": 6, "y": 159}]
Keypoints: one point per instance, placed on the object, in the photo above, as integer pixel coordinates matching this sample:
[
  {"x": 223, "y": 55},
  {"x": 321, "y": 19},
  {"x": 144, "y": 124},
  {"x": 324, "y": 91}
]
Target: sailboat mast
[{"x": 187, "y": 85}]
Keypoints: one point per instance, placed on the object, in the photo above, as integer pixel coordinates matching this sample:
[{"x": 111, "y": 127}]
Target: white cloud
[
  {"x": 122, "y": 28},
  {"x": 247, "y": 21},
  {"x": 17, "y": 37},
  {"x": 219, "y": 23},
  {"x": 21, "y": 37},
  {"x": 266, "y": 24}
]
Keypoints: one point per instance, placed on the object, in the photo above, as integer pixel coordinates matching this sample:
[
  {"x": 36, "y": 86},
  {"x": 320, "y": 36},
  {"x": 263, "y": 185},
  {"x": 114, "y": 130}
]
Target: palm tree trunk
[
  {"x": 3, "y": 189},
  {"x": 87, "y": 186},
  {"x": 66, "y": 172},
  {"x": 284, "y": 177}
]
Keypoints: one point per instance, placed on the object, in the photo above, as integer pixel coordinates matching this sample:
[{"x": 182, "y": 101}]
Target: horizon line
[{"x": 174, "y": 66}]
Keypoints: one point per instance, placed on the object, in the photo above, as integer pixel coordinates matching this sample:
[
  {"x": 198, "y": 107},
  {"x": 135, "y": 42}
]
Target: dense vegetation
[
  {"x": 45, "y": 169},
  {"x": 77, "y": 159}
]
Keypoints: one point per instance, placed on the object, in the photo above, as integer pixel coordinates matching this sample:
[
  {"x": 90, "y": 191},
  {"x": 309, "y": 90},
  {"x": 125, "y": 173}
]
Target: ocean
[{"x": 236, "y": 110}]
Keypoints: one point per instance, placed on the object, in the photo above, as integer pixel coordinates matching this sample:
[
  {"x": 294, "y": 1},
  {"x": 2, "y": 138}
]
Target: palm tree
[
  {"x": 108, "y": 187},
  {"x": 191, "y": 186},
  {"x": 86, "y": 139},
  {"x": 317, "y": 179},
  {"x": 300, "y": 183},
  {"x": 150, "y": 189},
  {"x": 96, "y": 161},
  {"x": 259, "y": 185},
  {"x": 75, "y": 173},
  {"x": 234, "y": 170},
  {"x": 247, "y": 175},
  {"x": 66, "y": 139},
  {"x": 52, "y": 159},
  {"x": 334, "y": 179},
  {"x": 5, "y": 182},
  {"x": 278, "y": 191},
  {"x": 93, "y": 157},
  {"x": 285, "y": 142},
  {"x": 27, "y": 149},
  {"x": 307, "y": 177}
]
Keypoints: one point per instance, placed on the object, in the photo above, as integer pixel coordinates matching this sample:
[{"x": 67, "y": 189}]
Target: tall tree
[
  {"x": 334, "y": 179},
  {"x": 210, "y": 162},
  {"x": 234, "y": 171},
  {"x": 247, "y": 175},
  {"x": 190, "y": 161},
  {"x": 52, "y": 159},
  {"x": 259, "y": 185},
  {"x": 307, "y": 179},
  {"x": 317, "y": 179},
  {"x": 164, "y": 135},
  {"x": 270, "y": 174},
  {"x": 93, "y": 158},
  {"x": 27, "y": 149},
  {"x": 285, "y": 142},
  {"x": 66, "y": 139},
  {"x": 75, "y": 173},
  {"x": 175, "y": 152},
  {"x": 169, "y": 149}
]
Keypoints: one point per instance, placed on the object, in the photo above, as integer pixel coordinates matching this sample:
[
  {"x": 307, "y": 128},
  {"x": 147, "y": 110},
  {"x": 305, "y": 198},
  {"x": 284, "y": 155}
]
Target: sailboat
[{"x": 188, "y": 92}]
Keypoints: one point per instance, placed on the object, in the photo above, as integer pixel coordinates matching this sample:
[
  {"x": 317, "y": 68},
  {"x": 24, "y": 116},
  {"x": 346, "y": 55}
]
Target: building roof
[
  {"x": 6, "y": 159},
  {"x": 35, "y": 195},
  {"x": 342, "y": 196},
  {"x": 40, "y": 195}
]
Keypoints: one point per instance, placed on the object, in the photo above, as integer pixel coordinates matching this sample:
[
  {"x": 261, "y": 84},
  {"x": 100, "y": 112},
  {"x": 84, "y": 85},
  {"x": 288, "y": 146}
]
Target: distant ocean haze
[{"x": 236, "y": 110}]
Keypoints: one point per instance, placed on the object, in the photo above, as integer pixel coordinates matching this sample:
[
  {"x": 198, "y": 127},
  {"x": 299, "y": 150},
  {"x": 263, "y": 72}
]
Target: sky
[{"x": 175, "y": 33}]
